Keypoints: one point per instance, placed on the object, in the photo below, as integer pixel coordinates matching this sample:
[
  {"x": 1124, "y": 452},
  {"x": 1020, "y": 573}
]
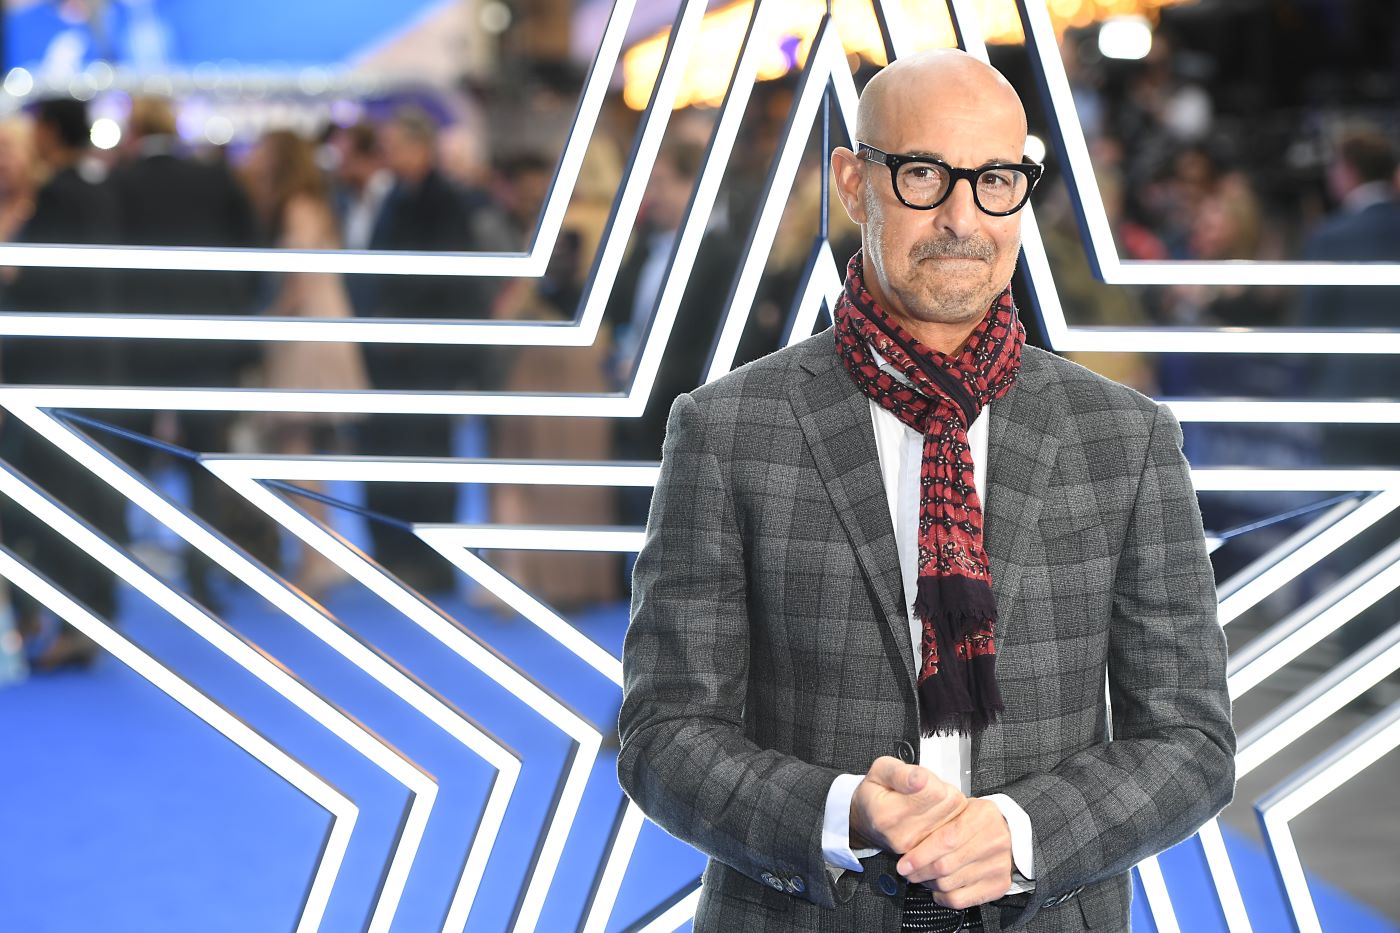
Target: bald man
[{"x": 889, "y": 570}]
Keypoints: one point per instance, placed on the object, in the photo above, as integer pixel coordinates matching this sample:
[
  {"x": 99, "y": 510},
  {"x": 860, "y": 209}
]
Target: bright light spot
[
  {"x": 106, "y": 133},
  {"x": 1125, "y": 37},
  {"x": 218, "y": 130},
  {"x": 101, "y": 75},
  {"x": 80, "y": 88},
  {"x": 19, "y": 82},
  {"x": 1035, "y": 148},
  {"x": 495, "y": 17}
]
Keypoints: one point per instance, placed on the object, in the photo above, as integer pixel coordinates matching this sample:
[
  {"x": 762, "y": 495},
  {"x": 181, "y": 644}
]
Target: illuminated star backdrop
[{"x": 544, "y": 839}]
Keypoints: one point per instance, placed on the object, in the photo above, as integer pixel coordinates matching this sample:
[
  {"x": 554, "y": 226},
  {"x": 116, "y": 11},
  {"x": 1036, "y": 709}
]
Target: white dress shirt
[{"x": 901, "y": 452}]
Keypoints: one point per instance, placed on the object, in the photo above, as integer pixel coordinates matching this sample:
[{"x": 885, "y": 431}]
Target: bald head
[
  {"x": 936, "y": 269},
  {"x": 912, "y": 83}
]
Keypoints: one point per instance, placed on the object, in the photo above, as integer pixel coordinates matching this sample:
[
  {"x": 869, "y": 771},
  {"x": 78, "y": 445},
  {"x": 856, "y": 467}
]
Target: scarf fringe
[{"x": 962, "y": 700}]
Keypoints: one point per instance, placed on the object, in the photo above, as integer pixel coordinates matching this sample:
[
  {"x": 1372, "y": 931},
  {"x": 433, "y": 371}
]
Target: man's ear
[{"x": 846, "y": 177}]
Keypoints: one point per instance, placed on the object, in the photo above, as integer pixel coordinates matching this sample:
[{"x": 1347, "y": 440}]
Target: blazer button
[
  {"x": 906, "y": 753},
  {"x": 772, "y": 880},
  {"x": 888, "y": 885},
  {"x": 795, "y": 885}
]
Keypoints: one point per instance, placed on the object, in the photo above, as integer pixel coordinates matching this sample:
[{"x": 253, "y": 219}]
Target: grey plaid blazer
[{"x": 769, "y": 651}]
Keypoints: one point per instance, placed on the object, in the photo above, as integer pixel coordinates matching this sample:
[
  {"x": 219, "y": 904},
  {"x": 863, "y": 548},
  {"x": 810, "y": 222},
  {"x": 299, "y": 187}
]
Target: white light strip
[
  {"x": 1218, "y": 411},
  {"x": 534, "y": 537},
  {"x": 581, "y": 133},
  {"x": 404, "y": 470},
  {"x": 1221, "y": 340},
  {"x": 624, "y": 219},
  {"x": 619, "y": 857},
  {"x": 530, "y": 265},
  {"x": 823, "y": 288},
  {"x": 1045, "y": 48},
  {"x": 420, "y": 785},
  {"x": 343, "y": 811},
  {"x": 1290, "y": 870},
  {"x": 1242, "y": 479},
  {"x": 1304, "y": 711},
  {"x": 1254, "y": 272},
  {"x": 437, "y": 624},
  {"x": 1360, "y": 750},
  {"x": 826, "y": 64},
  {"x": 447, "y": 543},
  {"x": 1159, "y": 901},
  {"x": 702, "y": 202},
  {"x": 1238, "y": 580},
  {"x": 1222, "y": 876},
  {"x": 1301, "y": 551},
  {"x": 375, "y": 665},
  {"x": 352, "y": 330},
  {"x": 1083, "y": 183},
  {"x": 674, "y": 916},
  {"x": 371, "y": 402},
  {"x": 1319, "y": 617}
]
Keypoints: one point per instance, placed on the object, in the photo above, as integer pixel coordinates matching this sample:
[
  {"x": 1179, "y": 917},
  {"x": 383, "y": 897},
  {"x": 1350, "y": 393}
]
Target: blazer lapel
[
  {"x": 1024, "y": 439},
  {"x": 835, "y": 419}
]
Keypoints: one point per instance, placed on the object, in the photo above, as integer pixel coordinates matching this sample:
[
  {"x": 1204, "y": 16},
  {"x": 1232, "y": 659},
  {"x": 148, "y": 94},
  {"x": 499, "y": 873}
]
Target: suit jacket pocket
[{"x": 1104, "y": 906}]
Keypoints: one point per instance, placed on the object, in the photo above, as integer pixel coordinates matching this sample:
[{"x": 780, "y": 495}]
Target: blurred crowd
[{"x": 1177, "y": 165}]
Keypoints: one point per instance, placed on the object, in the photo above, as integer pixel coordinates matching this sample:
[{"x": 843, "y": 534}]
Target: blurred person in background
[
  {"x": 166, "y": 197},
  {"x": 565, "y": 580},
  {"x": 290, "y": 193},
  {"x": 362, "y": 183},
  {"x": 1364, "y": 228},
  {"x": 70, "y": 207},
  {"x": 526, "y": 178},
  {"x": 424, "y": 212},
  {"x": 19, "y": 176}
]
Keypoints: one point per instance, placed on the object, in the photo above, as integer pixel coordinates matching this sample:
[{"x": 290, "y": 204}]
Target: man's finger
[{"x": 897, "y": 776}]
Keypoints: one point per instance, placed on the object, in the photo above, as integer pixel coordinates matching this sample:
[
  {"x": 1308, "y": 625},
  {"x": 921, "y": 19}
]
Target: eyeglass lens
[{"x": 923, "y": 184}]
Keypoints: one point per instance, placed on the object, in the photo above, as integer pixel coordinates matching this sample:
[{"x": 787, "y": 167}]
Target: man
[
  {"x": 820, "y": 513},
  {"x": 362, "y": 186},
  {"x": 70, "y": 208},
  {"x": 1365, "y": 228},
  {"x": 423, "y": 212},
  {"x": 166, "y": 197}
]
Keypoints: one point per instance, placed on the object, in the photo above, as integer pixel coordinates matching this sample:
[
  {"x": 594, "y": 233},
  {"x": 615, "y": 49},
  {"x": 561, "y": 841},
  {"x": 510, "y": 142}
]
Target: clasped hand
[{"x": 958, "y": 846}]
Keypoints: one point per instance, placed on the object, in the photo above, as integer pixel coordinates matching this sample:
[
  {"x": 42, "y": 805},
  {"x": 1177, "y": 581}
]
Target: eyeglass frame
[{"x": 893, "y": 161}]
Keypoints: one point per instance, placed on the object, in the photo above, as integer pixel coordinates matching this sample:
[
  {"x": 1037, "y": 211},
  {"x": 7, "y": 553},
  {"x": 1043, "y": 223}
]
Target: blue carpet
[{"x": 123, "y": 812}]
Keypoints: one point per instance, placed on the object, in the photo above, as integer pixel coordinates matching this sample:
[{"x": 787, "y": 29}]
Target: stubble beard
[{"x": 923, "y": 292}]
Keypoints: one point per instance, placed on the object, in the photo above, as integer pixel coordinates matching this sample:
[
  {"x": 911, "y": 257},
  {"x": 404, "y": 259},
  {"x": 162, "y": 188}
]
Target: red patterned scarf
[{"x": 942, "y": 397}]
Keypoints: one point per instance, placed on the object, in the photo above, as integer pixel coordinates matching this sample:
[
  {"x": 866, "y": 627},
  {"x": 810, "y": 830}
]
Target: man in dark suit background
[
  {"x": 71, "y": 207},
  {"x": 1365, "y": 228},
  {"x": 166, "y": 197},
  {"x": 424, "y": 212}
]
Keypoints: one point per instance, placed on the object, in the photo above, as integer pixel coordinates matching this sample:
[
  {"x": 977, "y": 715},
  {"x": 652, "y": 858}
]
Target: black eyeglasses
[{"x": 923, "y": 183}]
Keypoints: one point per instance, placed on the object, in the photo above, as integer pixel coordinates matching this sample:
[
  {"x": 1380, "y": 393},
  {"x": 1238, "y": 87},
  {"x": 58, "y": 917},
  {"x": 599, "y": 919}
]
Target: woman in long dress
[{"x": 290, "y": 192}]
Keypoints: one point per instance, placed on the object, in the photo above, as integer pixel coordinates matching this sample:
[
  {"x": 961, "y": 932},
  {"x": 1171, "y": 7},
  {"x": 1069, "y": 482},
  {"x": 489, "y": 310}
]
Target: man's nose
[{"x": 959, "y": 215}]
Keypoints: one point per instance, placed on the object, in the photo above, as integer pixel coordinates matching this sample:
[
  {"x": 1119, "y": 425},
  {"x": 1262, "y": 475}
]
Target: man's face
[{"x": 948, "y": 264}]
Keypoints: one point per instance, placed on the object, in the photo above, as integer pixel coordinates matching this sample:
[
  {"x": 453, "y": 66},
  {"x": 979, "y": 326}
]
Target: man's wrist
[{"x": 840, "y": 846}]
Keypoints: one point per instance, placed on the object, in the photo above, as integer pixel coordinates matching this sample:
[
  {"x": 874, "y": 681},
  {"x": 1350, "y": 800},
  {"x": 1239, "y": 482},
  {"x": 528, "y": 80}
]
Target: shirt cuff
[
  {"x": 836, "y": 827},
  {"x": 1023, "y": 878}
]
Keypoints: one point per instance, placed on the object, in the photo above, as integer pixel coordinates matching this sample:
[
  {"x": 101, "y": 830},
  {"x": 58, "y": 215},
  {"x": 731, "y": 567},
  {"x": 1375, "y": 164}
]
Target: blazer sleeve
[
  {"x": 1170, "y": 763},
  {"x": 685, "y": 759}
]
